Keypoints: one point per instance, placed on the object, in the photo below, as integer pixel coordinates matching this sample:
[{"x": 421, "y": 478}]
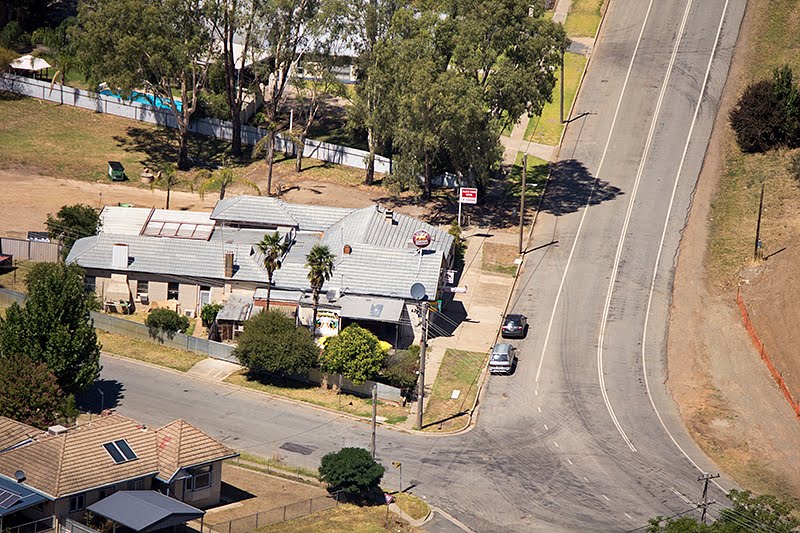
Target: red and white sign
[
  {"x": 468, "y": 195},
  {"x": 421, "y": 238}
]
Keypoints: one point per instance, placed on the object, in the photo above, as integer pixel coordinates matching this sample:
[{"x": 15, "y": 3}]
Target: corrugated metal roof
[
  {"x": 131, "y": 220},
  {"x": 262, "y": 210},
  {"x": 237, "y": 308},
  {"x": 316, "y": 217},
  {"x": 144, "y": 510},
  {"x": 375, "y": 309},
  {"x": 16, "y": 497}
]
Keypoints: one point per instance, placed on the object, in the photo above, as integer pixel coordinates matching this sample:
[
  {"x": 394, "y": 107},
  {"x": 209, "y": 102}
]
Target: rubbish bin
[{"x": 116, "y": 171}]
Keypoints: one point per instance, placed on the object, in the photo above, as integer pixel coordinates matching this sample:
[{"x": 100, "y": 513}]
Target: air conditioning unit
[
  {"x": 189, "y": 313},
  {"x": 334, "y": 294}
]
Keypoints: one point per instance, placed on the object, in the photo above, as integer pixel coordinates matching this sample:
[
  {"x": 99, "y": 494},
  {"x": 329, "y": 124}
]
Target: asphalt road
[{"x": 584, "y": 436}]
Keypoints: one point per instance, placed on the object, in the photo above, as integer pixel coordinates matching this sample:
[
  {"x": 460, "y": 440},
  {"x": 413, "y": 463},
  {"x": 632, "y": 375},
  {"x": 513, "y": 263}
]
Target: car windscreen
[{"x": 499, "y": 356}]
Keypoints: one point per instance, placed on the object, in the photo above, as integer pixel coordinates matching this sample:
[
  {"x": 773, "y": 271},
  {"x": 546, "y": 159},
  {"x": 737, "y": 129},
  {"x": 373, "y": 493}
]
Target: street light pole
[
  {"x": 421, "y": 384},
  {"x": 522, "y": 200},
  {"x": 562, "y": 85}
]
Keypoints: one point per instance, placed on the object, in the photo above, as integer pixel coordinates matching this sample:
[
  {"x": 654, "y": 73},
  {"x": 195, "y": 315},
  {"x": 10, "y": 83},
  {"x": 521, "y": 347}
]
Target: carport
[
  {"x": 145, "y": 510},
  {"x": 15, "y": 497}
]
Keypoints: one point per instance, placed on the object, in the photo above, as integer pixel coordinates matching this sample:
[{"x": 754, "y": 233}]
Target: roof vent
[
  {"x": 56, "y": 430},
  {"x": 388, "y": 216},
  {"x": 347, "y": 249},
  {"x": 228, "y": 264},
  {"x": 19, "y": 475}
]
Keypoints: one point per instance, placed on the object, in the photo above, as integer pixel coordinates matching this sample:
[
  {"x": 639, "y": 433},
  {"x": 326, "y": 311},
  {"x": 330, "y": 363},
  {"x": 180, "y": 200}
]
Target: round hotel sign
[{"x": 421, "y": 238}]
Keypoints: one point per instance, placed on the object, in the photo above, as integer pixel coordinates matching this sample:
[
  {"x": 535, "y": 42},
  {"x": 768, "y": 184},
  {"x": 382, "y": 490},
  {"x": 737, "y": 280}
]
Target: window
[
  {"x": 106, "y": 492},
  {"x": 142, "y": 288},
  {"x": 90, "y": 283},
  {"x": 137, "y": 484},
  {"x": 77, "y": 502},
  {"x": 172, "y": 290},
  {"x": 200, "y": 479},
  {"x": 120, "y": 451}
]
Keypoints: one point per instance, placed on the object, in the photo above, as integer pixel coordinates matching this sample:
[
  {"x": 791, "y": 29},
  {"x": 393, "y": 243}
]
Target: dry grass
[
  {"x": 499, "y": 257},
  {"x": 14, "y": 279},
  {"x": 258, "y": 492},
  {"x": 411, "y": 505},
  {"x": 149, "y": 352},
  {"x": 345, "y": 519},
  {"x": 346, "y": 403},
  {"x": 459, "y": 370}
]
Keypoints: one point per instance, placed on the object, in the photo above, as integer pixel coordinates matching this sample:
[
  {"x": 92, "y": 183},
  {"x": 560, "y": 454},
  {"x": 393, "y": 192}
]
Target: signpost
[{"x": 466, "y": 195}]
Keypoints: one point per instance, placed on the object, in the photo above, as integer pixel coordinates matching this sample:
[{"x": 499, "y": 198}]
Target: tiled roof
[
  {"x": 264, "y": 210},
  {"x": 181, "y": 445},
  {"x": 74, "y": 461},
  {"x": 13, "y": 432}
]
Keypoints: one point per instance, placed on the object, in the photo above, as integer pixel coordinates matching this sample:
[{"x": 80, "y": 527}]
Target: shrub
[
  {"x": 13, "y": 36},
  {"x": 272, "y": 342},
  {"x": 757, "y": 118},
  {"x": 29, "y": 392},
  {"x": 352, "y": 471},
  {"x": 401, "y": 368},
  {"x": 355, "y": 353},
  {"x": 166, "y": 320},
  {"x": 6, "y": 57},
  {"x": 209, "y": 313},
  {"x": 213, "y": 105}
]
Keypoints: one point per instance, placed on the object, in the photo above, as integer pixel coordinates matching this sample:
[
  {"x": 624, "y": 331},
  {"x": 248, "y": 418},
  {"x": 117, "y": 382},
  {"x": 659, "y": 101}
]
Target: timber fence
[
  {"x": 25, "y": 250},
  {"x": 776, "y": 375},
  {"x": 209, "y": 127}
]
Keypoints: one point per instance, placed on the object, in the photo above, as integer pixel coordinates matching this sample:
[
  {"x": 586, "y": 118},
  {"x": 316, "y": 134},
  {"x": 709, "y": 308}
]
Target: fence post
[
  {"x": 229, "y": 525},
  {"x": 310, "y": 505},
  {"x": 284, "y": 513},
  {"x": 257, "y": 520}
]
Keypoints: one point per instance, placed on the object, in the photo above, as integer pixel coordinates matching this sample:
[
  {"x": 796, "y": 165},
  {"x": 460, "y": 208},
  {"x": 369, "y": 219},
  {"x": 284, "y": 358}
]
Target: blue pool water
[{"x": 143, "y": 98}]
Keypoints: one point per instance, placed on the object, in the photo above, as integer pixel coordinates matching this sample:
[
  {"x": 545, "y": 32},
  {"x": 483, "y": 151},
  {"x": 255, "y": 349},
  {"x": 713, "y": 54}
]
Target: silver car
[{"x": 501, "y": 360}]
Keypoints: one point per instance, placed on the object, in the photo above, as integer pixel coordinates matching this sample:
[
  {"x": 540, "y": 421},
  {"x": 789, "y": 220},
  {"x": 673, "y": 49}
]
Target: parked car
[
  {"x": 514, "y": 326},
  {"x": 502, "y": 359}
]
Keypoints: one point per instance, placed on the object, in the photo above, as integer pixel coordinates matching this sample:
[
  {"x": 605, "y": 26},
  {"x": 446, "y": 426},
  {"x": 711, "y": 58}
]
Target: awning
[
  {"x": 145, "y": 510},
  {"x": 28, "y": 62},
  {"x": 375, "y": 309},
  {"x": 237, "y": 308},
  {"x": 16, "y": 497}
]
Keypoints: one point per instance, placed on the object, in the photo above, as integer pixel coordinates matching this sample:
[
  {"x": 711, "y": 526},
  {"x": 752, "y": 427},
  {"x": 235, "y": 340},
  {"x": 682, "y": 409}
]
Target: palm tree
[
  {"x": 168, "y": 179},
  {"x": 320, "y": 269},
  {"x": 222, "y": 179},
  {"x": 273, "y": 247}
]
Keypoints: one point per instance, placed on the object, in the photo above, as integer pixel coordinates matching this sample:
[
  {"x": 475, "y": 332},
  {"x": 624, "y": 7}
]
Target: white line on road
[
  {"x": 629, "y": 516},
  {"x": 557, "y": 446},
  {"x": 663, "y": 237},
  {"x": 606, "y": 497},
  {"x": 585, "y": 479},
  {"x": 568, "y": 460},
  {"x": 540, "y": 409},
  {"x": 545, "y": 427},
  {"x": 589, "y": 199},
  {"x": 621, "y": 243},
  {"x": 682, "y": 496}
]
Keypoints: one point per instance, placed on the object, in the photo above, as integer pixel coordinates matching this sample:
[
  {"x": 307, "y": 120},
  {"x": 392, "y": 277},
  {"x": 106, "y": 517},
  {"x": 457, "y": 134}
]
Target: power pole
[
  {"x": 757, "y": 247},
  {"x": 562, "y": 85},
  {"x": 522, "y": 201},
  {"x": 374, "y": 417},
  {"x": 705, "y": 478},
  {"x": 421, "y": 383}
]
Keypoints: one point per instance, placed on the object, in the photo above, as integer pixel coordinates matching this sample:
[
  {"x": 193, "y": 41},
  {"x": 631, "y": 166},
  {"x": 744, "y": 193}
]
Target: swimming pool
[{"x": 144, "y": 98}]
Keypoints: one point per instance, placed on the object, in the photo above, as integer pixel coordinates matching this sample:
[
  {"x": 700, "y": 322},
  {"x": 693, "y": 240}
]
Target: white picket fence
[{"x": 210, "y": 127}]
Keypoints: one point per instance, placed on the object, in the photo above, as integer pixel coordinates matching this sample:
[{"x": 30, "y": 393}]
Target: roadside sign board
[{"x": 468, "y": 195}]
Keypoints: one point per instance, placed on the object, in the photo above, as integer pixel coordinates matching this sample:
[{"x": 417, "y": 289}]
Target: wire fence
[
  {"x": 275, "y": 515},
  {"x": 748, "y": 324}
]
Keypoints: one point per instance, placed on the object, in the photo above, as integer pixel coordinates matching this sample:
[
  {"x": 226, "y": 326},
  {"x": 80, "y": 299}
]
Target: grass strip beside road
[
  {"x": 547, "y": 128},
  {"x": 411, "y": 505},
  {"x": 309, "y": 393},
  {"x": 272, "y": 466},
  {"x": 583, "y": 18},
  {"x": 149, "y": 352},
  {"x": 460, "y": 371},
  {"x": 346, "y": 518}
]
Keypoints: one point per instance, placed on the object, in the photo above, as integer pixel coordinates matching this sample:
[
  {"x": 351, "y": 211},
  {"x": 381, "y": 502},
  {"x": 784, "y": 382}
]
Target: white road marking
[
  {"x": 545, "y": 427},
  {"x": 661, "y": 246},
  {"x": 540, "y": 409},
  {"x": 621, "y": 242},
  {"x": 629, "y": 516},
  {"x": 568, "y": 460},
  {"x": 557, "y": 446},
  {"x": 606, "y": 497},
  {"x": 681, "y": 496},
  {"x": 589, "y": 199},
  {"x": 585, "y": 479}
]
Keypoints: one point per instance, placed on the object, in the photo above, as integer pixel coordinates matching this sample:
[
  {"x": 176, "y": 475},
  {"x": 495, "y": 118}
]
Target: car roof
[
  {"x": 502, "y": 347},
  {"x": 514, "y": 315}
]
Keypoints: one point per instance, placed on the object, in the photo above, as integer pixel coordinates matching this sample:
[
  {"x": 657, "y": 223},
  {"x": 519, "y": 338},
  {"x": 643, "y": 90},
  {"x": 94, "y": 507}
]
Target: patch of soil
[{"x": 724, "y": 393}]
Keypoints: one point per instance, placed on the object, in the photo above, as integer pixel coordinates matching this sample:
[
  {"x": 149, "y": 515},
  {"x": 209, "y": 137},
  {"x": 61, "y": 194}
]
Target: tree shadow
[
  {"x": 572, "y": 186},
  {"x": 103, "y": 394},
  {"x": 159, "y": 147}
]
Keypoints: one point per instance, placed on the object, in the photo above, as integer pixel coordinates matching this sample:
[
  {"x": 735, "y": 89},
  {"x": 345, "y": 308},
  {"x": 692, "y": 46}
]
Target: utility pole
[
  {"x": 522, "y": 201},
  {"x": 423, "y": 310},
  {"x": 562, "y": 85},
  {"x": 374, "y": 417},
  {"x": 705, "y": 478},
  {"x": 757, "y": 247}
]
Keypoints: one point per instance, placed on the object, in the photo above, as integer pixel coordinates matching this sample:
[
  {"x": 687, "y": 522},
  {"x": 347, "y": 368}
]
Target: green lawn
[
  {"x": 583, "y": 18},
  {"x": 459, "y": 370},
  {"x": 547, "y": 127}
]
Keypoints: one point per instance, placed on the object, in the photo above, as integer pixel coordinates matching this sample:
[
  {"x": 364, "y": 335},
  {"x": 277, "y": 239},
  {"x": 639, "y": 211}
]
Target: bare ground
[{"x": 725, "y": 394}]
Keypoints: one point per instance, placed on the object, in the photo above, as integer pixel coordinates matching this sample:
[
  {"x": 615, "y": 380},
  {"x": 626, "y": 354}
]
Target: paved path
[{"x": 585, "y": 424}]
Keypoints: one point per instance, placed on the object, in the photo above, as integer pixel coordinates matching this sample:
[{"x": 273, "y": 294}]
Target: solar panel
[
  {"x": 114, "y": 452},
  {"x": 125, "y": 449},
  {"x": 8, "y": 498}
]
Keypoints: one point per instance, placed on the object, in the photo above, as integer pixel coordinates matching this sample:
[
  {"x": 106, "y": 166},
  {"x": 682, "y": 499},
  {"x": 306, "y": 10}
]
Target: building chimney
[
  {"x": 119, "y": 257},
  {"x": 228, "y": 264},
  {"x": 347, "y": 249}
]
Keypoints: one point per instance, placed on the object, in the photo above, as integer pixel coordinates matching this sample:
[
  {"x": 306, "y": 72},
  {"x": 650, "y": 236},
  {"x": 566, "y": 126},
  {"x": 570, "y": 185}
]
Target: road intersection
[{"x": 584, "y": 436}]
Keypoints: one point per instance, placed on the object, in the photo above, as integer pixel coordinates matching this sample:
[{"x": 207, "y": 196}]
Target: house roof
[
  {"x": 268, "y": 211},
  {"x": 145, "y": 510},
  {"x": 13, "y": 432},
  {"x": 16, "y": 497},
  {"x": 181, "y": 445},
  {"x": 74, "y": 461}
]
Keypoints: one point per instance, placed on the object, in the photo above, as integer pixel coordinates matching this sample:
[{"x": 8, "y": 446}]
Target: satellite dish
[
  {"x": 418, "y": 291},
  {"x": 19, "y": 475}
]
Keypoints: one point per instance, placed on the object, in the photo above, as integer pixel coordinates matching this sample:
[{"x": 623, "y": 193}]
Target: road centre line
[
  {"x": 606, "y": 497},
  {"x": 589, "y": 198},
  {"x": 621, "y": 242},
  {"x": 569, "y": 461},
  {"x": 663, "y": 238},
  {"x": 629, "y": 516}
]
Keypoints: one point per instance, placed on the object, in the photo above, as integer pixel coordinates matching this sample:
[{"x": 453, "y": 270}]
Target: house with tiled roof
[
  {"x": 70, "y": 469},
  {"x": 146, "y": 255}
]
